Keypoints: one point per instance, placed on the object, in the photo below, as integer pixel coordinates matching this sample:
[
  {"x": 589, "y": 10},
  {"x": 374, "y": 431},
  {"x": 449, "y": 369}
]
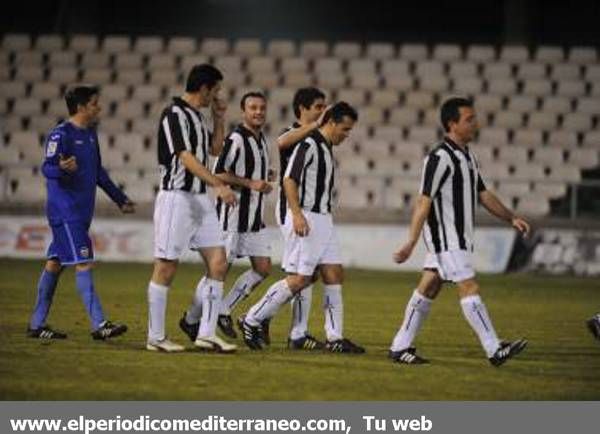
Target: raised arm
[{"x": 294, "y": 135}]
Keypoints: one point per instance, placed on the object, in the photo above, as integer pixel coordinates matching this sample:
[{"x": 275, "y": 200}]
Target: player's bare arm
[
  {"x": 295, "y": 135},
  {"x": 495, "y": 207},
  {"x": 419, "y": 215},
  {"x": 192, "y": 164},
  {"x": 259, "y": 185},
  {"x": 301, "y": 227},
  {"x": 218, "y": 109}
]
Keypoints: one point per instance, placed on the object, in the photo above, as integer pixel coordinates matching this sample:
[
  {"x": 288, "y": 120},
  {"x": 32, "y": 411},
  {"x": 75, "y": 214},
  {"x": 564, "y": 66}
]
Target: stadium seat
[
  {"x": 13, "y": 89},
  {"x": 261, "y": 64},
  {"x": 500, "y": 70},
  {"x": 291, "y": 65},
  {"x": 531, "y": 70},
  {"x": 481, "y": 53},
  {"x": 113, "y": 125},
  {"x": 365, "y": 81},
  {"x": 565, "y": 71},
  {"x": 537, "y": 87},
  {"x": 590, "y": 106},
  {"x": 380, "y": 50},
  {"x": 414, "y": 52},
  {"x": 493, "y": 136},
  {"x": 447, "y": 52},
  {"x": 419, "y": 100},
  {"x": 147, "y": 93},
  {"x": 28, "y": 58},
  {"x": 164, "y": 77},
  {"x": 347, "y": 50},
  {"x": 29, "y": 74},
  {"x": 56, "y": 108},
  {"x": 556, "y": 104},
  {"x": 49, "y": 43},
  {"x": 114, "y": 44},
  {"x": 591, "y": 139},
  {"x": 95, "y": 60},
  {"x": 514, "y": 54},
  {"x": 16, "y": 42},
  {"x": 353, "y": 96},
  {"x": 375, "y": 149},
  {"x": 281, "y": 48},
  {"x": 133, "y": 77},
  {"x": 502, "y": 86},
  {"x": 592, "y": 73},
  {"x": 533, "y": 204},
  {"x": 585, "y": 158},
  {"x": 214, "y": 47},
  {"x": 148, "y": 45},
  {"x": 189, "y": 61},
  {"x": 514, "y": 188},
  {"x": 162, "y": 61},
  {"x": 332, "y": 81},
  {"x": 463, "y": 70},
  {"x": 115, "y": 92},
  {"x": 562, "y": 139},
  {"x": 522, "y": 104},
  {"x": 264, "y": 80},
  {"x": 508, "y": 119},
  {"x": 128, "y": 60},
  {"x": 83, "y": 43},
  {"x": 550, "y": 189},
  {"x": 487, "y": 103},
  {"x": 552, "y": 157},
  {"x": 129, "y": 109},
  {"x": 45, "y": 90},
  {"x": 297, "y": 79},
  {"x": 248, "y": 47},
  {"x": 424, "y": 135},
  {"x": 9, "y": 156},
  {"x": 98, "y": 76},
  {"x": 43, "y": 124},
  {"x": 583, "y": 55},
  {"x": 549, "y": 54},
  {"x": 27, "y": 107},
  {"x": 542, "y": 120},
  {"x": 26, "y": 185},
  {"x": 12, "y": 123},
  {"x": 565, "y": 173},
  {"x": 181, "y": 45},
  {"x": 404, "y": 116},
  {"x": 524, "y": 171},
  {"x": 513, "y": 154},
  {"x": 470, "y": 86},
  {"x": 62, "y": 58},
  {"x": 528, "y": 138},
  {"x": 389, "y": 133},
  {"x": 314, "y": 49},
  {"x": 385, "y": 98},
  {"x": 435, "y": 84}
]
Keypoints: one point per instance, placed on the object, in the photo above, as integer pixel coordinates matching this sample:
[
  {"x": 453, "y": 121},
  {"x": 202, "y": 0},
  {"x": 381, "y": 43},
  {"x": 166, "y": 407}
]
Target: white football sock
[
  {"x": 242, "y": 287},
  {"x": 479, "y": 320},
  {"x": 157, "y": 310},
  {"x": 333, "y": 306},
  {"x": 194, "y": 311},
  {"x": 211, "y": 296},
  {"x": 300, "y": 312},
  {"x": 415, "y": 313},
  {"x": 276, "y": 296}
]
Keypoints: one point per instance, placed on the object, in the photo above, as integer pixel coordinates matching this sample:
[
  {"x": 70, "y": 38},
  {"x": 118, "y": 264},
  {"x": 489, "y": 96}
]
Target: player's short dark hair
[
  {"x": 450, "y": 111},
  {"x": 339, "y": 110},
  {"x": 253, "y": 94},
  {"x": 305, "y": 97},
  {"x": 202, "y": 75},
  {"x": 79, "y": 95}
]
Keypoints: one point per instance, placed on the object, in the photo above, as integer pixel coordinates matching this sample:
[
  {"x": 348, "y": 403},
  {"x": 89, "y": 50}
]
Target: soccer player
[
  {"x": 451, "y": 188},
  {"x": 73, "y": 168},
  {"x": 244, "y": 165},
  {"x": 309, "y": 109},
  {"x": 594, "y": 325},
  {"x": 311, "y": 238},
  {"x": 184, "y": 213}
]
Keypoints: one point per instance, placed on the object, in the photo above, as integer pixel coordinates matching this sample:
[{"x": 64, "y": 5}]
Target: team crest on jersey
[
  {"x": 84, "y": 252},
  {"x": 51, "y": 149}
]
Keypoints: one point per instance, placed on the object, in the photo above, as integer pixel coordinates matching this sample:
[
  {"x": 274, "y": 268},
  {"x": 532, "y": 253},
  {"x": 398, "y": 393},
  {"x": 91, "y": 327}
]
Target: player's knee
[
  {"x": 468, "y": 287},
  {"x": 332, "y": 275},
  {"x": 84, "y": 267},
  {"x": 164, "y": 272},
  {"x": 263, "y": 268},
  {"x": 217, "y": 268},
  {"x": 53, "y": 266},
  {"x": 297, "y": 282}
]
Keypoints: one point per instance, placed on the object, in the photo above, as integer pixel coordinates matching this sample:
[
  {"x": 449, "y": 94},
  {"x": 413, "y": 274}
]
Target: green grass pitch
[{"x": 562, "y": 361}]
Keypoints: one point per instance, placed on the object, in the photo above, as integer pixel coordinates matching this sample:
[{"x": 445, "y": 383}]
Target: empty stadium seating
[{"x": 539, "y": 108}]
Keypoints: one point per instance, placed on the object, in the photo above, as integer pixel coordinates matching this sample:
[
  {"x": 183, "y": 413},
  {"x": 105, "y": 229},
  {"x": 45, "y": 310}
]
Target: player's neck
[
  {"x": 324, "y": 130},
  {"x": 254, "y": 130},
  {"x": 194, "y": 99},
  {"x": 456, "y": 140},
  {"x": 79, "y": 121}
]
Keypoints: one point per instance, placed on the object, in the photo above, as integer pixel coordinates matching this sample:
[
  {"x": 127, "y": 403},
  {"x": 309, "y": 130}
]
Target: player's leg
[
  {"x": 172, "y": 228},
  {"x": 416, "y": 312},
  {"x": 246, "y": 282},
  {"x": 45, "y": 292},
  {"x": 301, "y": 305},
  {"x": 479, "y": 319},
  {"x": 267, "y": 307},
  {"x": 593, "y": 325}
]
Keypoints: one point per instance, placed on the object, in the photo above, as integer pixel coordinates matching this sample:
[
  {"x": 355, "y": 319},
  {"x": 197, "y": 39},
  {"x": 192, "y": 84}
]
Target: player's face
[
  {"x": 341, "y": 130},
  {"x": 315, "y": 110},
  {"x": 92, "y": 110},
  {"x": 255, "y": 112},
  {"x": 467, "y": 124}
]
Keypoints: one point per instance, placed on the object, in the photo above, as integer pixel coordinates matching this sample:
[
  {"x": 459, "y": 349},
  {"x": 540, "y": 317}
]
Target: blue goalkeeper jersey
[{"x": 72, "y": 196}]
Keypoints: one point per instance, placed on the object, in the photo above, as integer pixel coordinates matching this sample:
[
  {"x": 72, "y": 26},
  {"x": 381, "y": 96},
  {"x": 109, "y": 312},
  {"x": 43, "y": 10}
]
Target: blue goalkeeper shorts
[{"x": 71, "y": 244}]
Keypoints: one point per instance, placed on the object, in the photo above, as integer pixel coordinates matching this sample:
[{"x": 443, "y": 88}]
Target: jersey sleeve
[
  {"x": 177, "y": 130},
  {"x": 300, "y": 159},
  {"x": 435, "y": 173},
  {"x": 55, "y": 148},
  {"x": 231, "y": 153}
]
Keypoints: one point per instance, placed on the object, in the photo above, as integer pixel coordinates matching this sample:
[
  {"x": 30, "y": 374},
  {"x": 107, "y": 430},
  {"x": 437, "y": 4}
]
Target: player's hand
[
  {"x": 261, "y": 186},
  {"x": 301, "y": 227},
  {"x": 404, "y": 252},
  {"x": 67, "y": 164},
  {"x": 321, "y": 119},
  {"x": 218, "y": 107},
  {"x": 521, "y": 225},
  {"x": 128, "y": 207},
  {"x": 226, "y": 194}
]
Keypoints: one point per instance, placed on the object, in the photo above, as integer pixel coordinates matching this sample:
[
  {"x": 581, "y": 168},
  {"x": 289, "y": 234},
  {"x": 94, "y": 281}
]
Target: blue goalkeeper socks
[
  {"x": 85, "y": 285},
  {"x": 45, "y": 292}
]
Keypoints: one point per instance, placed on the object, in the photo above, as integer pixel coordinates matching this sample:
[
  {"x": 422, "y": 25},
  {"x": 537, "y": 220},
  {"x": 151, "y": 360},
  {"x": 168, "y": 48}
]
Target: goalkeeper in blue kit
[{"x": 73, "y": 168}]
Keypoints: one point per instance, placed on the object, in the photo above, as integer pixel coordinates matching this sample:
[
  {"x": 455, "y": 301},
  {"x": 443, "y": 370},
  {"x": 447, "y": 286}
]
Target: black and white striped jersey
[
  {"x": 312, "y": 167},
  {"x": 181, "y": 128},
  {"x": 244, "y": 156},
  {"x": 452, "y": 180},
  {"x": 284, "y": 157}
]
